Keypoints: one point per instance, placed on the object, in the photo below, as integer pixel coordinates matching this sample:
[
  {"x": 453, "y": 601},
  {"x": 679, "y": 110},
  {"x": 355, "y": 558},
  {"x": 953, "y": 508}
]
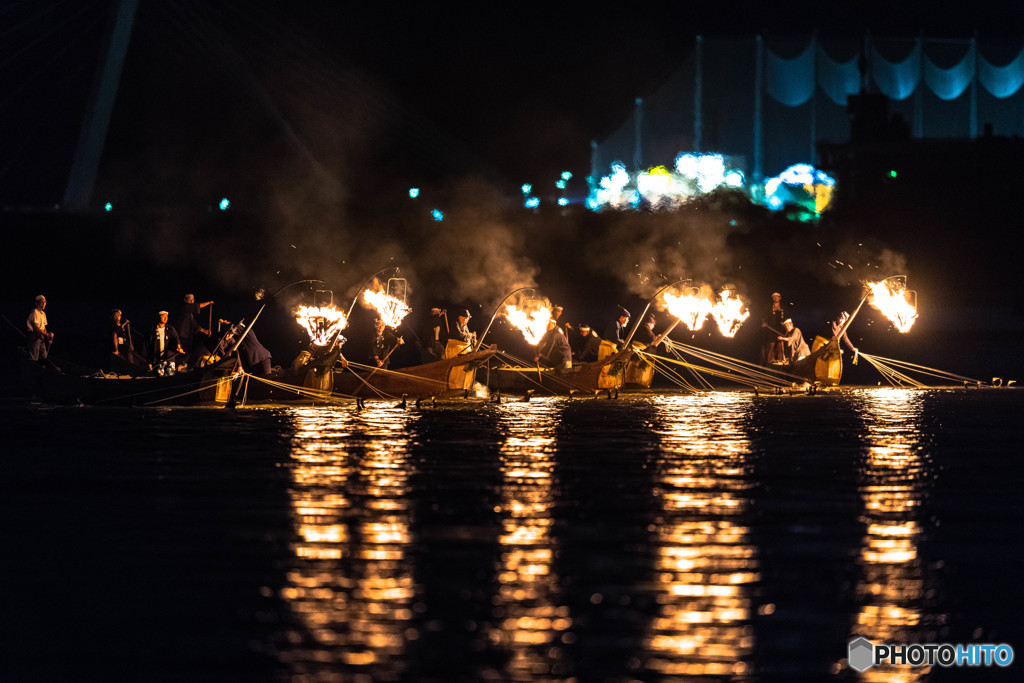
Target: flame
[
  {"x": 893, "y": 300},
  {"x": 321, "y": 322},
  {"x": 690, "y": 307},
  {"x": 391, "y": 310},
  {"x": 694, "y": 305},
  {"x": 530, "y": 317},
  {"x": 729, "y": 312}
]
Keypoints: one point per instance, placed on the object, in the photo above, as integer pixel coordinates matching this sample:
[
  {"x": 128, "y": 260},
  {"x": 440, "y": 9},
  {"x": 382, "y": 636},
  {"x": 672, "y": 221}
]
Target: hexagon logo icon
[{"x": 861, "y": 654}]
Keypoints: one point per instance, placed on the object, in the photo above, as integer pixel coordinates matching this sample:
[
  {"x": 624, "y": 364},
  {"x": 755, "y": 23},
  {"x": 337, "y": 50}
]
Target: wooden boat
[
  {"x": 823, "y": 367},
  {"x": 62, "y": 382},
  {"x": 321, "y": 378},
  {"x": 639, "y": 372},
  {"x": 605, "y": 374}
]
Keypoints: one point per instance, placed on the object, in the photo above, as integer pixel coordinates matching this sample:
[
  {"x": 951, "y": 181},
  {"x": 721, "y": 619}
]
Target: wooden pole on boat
[
  {"x": 494, "y": 315},
  {"x": 636, "y": 325},
  {"x": 256, "y": 317},
  {"x": 661, "y": 337},
  {"x": 366, "y": 282}
]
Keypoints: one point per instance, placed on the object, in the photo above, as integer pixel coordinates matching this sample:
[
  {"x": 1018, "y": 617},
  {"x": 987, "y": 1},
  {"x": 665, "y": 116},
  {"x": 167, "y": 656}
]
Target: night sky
[{"x": 224, "y": 97}]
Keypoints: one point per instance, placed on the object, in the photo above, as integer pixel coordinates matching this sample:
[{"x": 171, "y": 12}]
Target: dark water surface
[{"x": 711, "y": 537}]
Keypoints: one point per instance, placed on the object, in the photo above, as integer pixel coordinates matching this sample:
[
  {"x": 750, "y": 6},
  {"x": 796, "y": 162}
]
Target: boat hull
[
  {"x": 449, "y": 377},
  {"x": 53, "y": 382},
  {"x": 603, "y": 375}
]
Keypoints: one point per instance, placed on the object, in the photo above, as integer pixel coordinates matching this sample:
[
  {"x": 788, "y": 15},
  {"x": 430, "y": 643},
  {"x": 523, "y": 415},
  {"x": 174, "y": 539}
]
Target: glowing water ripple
[
  {"x": 706, "y": 563},
  {"x": 533, "y": 622},
  {"x": 894, "y": 476},
  {"x": 350, "y": 584}
]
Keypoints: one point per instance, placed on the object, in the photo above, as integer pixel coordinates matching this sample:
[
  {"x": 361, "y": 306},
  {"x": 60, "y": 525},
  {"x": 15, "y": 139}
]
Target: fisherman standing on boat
[
  {"x": 837, "y": 325},
  {"x": 618, "y": 329},
  {"x": 384, "y": 343},
  {"x": 437, "y": 334},
  {"x": 773, "y": 351},
  {"x": 119, "y": 332},
  {"x": 589, "y": 344},
  {"x": 793, "y": 340},
  {"x": 187, "y": 324},
  {"x": 39, "y": 337},
  {"x": 553, "y": 348},
  {"x": 254, "y": 357},
  {"x": 462, "y": 331},
  {"x": 164, "y": 346},
  {"x": 646, "y": 333}
]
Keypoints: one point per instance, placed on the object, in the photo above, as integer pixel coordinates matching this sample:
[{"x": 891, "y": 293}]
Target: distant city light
[
  {"x": 801, "y": 185},
  {"x": 414, "y": 192},
  {"x": 566, "y": 175},
  {"x": 224, "y": 204},
  {"x": 108, "y": 207},
  {"x": 437, "y": 215},
  {"x": 532, "y": 202},
  {"x": 562, "y": 201},
  {"x": 560, "y": 184},
  {"x": 527, "y": 188}
]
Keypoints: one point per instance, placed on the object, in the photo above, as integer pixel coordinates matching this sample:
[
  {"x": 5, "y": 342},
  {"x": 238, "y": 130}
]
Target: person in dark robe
[
  {"x": 646, "y": 334},
  {"x": 384, "y": 342},
  {"x": 254, "y": 357},
  {"x": 588, "y": 345},
  {"x": 187, "y": 323},
  {"x": 436, "y": 336},
  {"x": 119, "y": 333},
  {"x": 553, "y": 348},
  {"x": 618, "y": 329},
  {"x": 773, "y": 351}
]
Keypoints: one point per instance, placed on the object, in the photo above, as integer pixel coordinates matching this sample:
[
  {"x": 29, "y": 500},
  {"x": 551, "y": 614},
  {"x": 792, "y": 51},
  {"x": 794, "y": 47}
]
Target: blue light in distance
[
  {"x": 566, "y": 175},
  {"x": 437, "y": 215},
  {"x": 560, "y": 184},
  {"x": 108, "y": 207},
  {"x": 527, "y": 188},
  {"x": 224, "y": 204},
  {"x": 562, "y": 201},
  {"x": 532, "y": 202},
  {"x": 414, "y": 192}
]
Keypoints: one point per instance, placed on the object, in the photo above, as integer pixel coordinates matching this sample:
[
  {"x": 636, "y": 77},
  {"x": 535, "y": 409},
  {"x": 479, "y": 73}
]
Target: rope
[
  {"x": 380, "y": 394},
  {"x": 740, "y": 371},
  {"x": 661, "y": 366},
  {"x": 306, "y": 392},
  {"x": 203, "y": 386},
  {"x": 887, "y": 367}
]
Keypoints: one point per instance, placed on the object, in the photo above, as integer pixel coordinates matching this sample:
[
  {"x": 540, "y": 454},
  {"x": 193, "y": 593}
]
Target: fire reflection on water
[
  {"x": 350, "y": 586},
  {"x": 533, "y": 624},
  {"x": 705, "y": 561},
  {"x": 893, "y": 478}
]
